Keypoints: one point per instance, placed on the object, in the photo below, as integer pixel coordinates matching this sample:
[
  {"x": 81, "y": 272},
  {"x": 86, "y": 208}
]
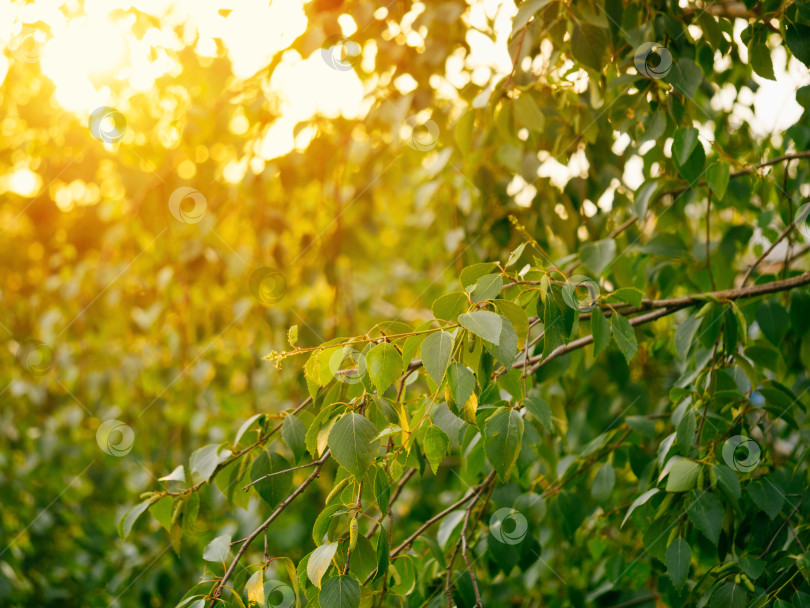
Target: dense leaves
[{"x": 433, "y": 407}]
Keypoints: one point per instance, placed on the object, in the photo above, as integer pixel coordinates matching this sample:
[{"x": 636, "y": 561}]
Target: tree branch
[
  {"x": 409, "y": 541},
  {"x": 301, "y": 466},
  {"x": 218, "y": 589},
  {"x": 669, "y": 306},
  {"x": 260, "y": 441}
]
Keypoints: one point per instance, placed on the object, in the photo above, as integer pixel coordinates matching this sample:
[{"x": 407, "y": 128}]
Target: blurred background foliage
[{"x": 365, "y": 180}]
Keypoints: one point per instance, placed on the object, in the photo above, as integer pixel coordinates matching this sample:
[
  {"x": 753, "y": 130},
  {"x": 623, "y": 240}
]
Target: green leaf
[
  {"x": 384, "y": 364},
  {"x": 685, "y": 335},
  {"x": 528, "y": 114},
  {"x": 598, "y": 256},
  {"x": 588, "y": 45},
  {"x": 727, "y": 480},
  {"x": 686, "y": 430},
  {"x": 603, "y": 482},
  {"x": 682, "y": 476},
  {"x": 692, "y": 169},
  {"x": 803, "y": 96},
  {"x": 352, "y": 443},
  {"x": 294, "y": 434},
  {"x": 517, "y": 252},
  {"x": 470, "y": 275},
  {"x": 766, "y": 496},
  {"x": 516, "y": 316},
  {"x": 245, "y": 426},
  {"x": 217, "y": 550},
  {"x": 773, "y": 320},
  {"x": 273, "y": 489},
  {"x": 685, "y": 76},
  {"x": 683, "y": 144},
  {"x": 797, "y": 37},
  {"x": 162, "y": 512},
  {"x": 706, "y": 512},
  {"x": 204, "y": 462},
  {"x": 645, "y": 195},
  {"x": 526, "y": 11},
  {"x": 131, "y": 516},
  {"x": 436, "y": 352},
  {"x": 382, "y": 554},
  {"x": 600, "y": 328},
  {"x": 624, "y": 335},
  {"x": 436, "y": 443},
  {"x": 340, "y": 592},
  {"x": 553, "y": 325},
  {"x": 752, "y": 566},
  {"x": 759, "y": 56},
  {"x": 450, "y": 306},
  {"x": 717, "y": 176},
  {"x": 382, "y": 490},
  {"x": 483, "y": 323},
  {"x": 538, "y": 408},
  {"x": 319, "y": 561},
  {"x": 730, "y": 595},
  {"x": 506, "y": 349},
  {"x": 461, "y": 381},
  {"x": 631, "y": 295},
  {"x": 487, "y": 288},
  {"x": 503, "y": 434},
  {"x": 638, "y": 502},
  {"x": 679, "y": 554}
]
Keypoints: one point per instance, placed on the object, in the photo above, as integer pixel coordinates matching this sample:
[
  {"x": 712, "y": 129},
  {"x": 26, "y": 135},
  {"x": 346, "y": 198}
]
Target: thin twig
[
  {"x": 279, "y": 510},
  {"x": 393, "y": 498},
  {"x": 708, "y": 239},
  {"x": 409, "y": 541},
  {"x": 767, "y": 252},
  {"x": 300, "y": 466},
  {"x": 667, "y": 307},
  {"x": 784, "y": 523}
]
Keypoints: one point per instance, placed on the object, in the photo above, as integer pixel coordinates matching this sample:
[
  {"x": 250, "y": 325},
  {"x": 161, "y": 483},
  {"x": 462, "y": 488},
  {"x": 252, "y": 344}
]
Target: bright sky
[{"x": 94, "y": 62}]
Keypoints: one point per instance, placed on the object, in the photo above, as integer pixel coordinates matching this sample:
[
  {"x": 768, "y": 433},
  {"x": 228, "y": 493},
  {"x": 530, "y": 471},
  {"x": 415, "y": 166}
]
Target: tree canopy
[{"x": 420, "y": 304}]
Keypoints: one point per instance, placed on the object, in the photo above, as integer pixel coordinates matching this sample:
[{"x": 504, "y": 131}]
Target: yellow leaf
[
  {"x": 470, "y": 408},
  {"x": 255, "y": 588}
]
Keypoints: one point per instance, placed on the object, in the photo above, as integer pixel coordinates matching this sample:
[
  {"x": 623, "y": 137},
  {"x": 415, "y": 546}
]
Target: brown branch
[
  {"x": 767, "y": 252},
  {"x": 669, "y": 306},
  {"x": 304, "y": 484},
  {"x": 409, "y": 541},
  {"x": 708, "y": 239},
  {"x": 260, "y": 441},
  {"x": 301, "y": 466},
  {"x": 732, "y": 175},
  {"x": 393, "y": 498},
  {"x": 740, "y": 172},
  {"x": 462, "y": 544},
  {"x": 554, "y": 488}
]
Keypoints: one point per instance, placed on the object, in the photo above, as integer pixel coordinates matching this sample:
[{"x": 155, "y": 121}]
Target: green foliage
[{"x": 473, "y": 449}]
